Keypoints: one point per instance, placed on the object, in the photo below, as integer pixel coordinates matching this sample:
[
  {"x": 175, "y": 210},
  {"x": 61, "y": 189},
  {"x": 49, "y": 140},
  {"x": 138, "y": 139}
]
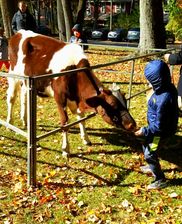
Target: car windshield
[
  {"x": 118, "y": 29},
  {"x": 135, "y": 29}
]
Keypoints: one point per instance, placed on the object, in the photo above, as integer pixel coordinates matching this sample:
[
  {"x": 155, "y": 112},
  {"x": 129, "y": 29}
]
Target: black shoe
[{"x": 158, "y": 184}]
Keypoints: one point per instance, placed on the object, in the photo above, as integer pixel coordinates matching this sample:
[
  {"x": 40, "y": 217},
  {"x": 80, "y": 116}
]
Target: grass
[{"x": 101, "y": 183}]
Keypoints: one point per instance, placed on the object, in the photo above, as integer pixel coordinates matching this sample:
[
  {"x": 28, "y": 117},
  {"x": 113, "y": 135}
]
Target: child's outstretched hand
[{"x": 139, "y": 132}]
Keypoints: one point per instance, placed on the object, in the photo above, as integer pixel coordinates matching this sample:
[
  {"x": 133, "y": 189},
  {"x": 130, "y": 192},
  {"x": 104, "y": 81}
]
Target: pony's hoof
[{"x": 65, "y": 154}]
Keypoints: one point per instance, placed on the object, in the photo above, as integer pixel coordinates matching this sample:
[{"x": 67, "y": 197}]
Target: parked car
[
  {"x": 170, "y": 37},
  {"x": 133, "y": 34},
  {"x": 118, "y": 34},
  {"x": 100, "y": 33}
]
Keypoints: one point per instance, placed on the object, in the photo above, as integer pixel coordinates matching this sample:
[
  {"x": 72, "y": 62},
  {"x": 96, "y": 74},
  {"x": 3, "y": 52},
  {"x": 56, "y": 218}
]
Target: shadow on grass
[
  {"x": 101, "y": 181},
  {"x": 171, "y": 152}
]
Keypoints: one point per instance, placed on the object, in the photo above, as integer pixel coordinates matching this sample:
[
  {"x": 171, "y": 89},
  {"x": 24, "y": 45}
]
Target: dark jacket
[
  {"x": 176, "y": 59},
  {"x": 23, "y": 21},
  {"x": 162, "y": 112},
  {"x": 3, "y": 48}
]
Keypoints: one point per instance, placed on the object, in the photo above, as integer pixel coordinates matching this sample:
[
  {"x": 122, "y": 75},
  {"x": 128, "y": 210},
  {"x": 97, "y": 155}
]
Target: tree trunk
[
  {"x": 96, "y": 13},
  {"x": 152, "y": 31},
  {"x": 65, "y": 13},
  {"x": 7, "y": 10},
  {"x": 158, "y": 24},
  {"x": 68, "y": 18},
  {"x": 61, "y": 22},
  {"x": 81, "y": 11}
]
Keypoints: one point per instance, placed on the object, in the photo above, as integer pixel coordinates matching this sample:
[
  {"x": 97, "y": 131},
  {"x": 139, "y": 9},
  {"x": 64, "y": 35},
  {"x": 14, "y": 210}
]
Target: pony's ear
[
  {"x": 123, "y": 93},
  {"x": 94, "y": 101}
]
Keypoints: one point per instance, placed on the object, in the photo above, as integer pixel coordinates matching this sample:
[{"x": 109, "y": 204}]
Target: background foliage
[{"x": 175, "y": 20}]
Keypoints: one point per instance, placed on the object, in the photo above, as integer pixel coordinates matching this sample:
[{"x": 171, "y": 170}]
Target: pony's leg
[
  {"x": 65, "y": 144},
  {"x": 63, "y": 121},
  {"x": 23, "y": 113},
  {"x": 83, "y": 132},
  {"x": 180, "y": 102},
  {"x": 13, "y": 88}
]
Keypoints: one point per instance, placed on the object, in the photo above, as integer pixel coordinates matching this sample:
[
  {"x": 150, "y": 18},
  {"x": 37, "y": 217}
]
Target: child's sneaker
[
  {"x": 145, "y": 169},
  {"x": 158, "y": 184}
]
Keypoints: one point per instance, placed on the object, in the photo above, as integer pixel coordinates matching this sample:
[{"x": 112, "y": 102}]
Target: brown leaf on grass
[
  {"x": 18, "y": 187},
  {"x": 93, "y": 218},
  {"x": 106, "y": 209},
  {"x": 3, "y": 195},
  {"x": 47, "y": 198},
  {"x": 8, "y": 221},
  {"x": 39, "y": 217},
  {"x": 136, "y": 190},
  {"x": 128, "y": 206},
  {"x": 48, "y": 213}
]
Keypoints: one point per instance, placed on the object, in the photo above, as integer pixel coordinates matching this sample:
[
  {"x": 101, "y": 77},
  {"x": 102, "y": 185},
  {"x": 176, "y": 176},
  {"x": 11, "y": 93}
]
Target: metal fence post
[
  {"x": 31, "y": 146},
  {"x": 130, "y": 83}
]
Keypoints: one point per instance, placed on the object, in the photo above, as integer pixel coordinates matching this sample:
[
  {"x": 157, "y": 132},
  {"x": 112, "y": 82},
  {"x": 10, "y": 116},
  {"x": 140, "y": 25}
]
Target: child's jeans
[{"x": 151, "y": 157}]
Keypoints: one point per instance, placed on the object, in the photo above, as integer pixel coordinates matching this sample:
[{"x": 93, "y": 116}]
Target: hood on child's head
[
  {"x": 77, "y": 27},
  {"x": 158, "y": 74}
]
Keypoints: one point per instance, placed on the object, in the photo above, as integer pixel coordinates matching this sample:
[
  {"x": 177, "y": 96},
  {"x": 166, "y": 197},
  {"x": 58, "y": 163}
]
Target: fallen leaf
[{"x": 18, "y": 187}]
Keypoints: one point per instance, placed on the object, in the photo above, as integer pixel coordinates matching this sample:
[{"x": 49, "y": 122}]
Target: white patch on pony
[
  {"x": 70, "y": 54},
  {"x": 20, "y": 66},
  {"x": 75, "y": 110},
  {"x": 49, "y": 91}
]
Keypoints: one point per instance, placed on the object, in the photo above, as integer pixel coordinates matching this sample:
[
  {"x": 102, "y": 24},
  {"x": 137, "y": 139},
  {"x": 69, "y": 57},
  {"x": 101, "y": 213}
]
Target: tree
[
  {"x": 68, "y": 18},
  {"x": 69, "y": 13},
  {"x": 7, "y": 11},
  {"x": 81, "y": 11},
  {"x": 152, "y": 30},
  {"x": 127, "y": 21},
  {"x": 61, "y": 21},
  {"x": 96, "y": 13},
  {"x": 175, "y": 20}
]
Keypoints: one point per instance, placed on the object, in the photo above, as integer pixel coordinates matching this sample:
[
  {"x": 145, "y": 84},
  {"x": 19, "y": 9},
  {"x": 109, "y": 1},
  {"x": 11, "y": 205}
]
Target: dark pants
[{"x": 151, "y": 158}]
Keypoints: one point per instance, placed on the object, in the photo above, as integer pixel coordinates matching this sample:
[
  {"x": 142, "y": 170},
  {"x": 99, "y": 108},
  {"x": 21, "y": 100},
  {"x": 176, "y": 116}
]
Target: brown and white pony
[{"x": 32, "y": 54}]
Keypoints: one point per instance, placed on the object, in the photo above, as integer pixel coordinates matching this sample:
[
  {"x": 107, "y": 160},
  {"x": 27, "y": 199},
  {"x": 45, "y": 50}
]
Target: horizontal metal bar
[
  {"x": 12, "y": 75},
  {"x": 65, "y": 126},
  {"x": 143, "y": 91},
  {"x": 130, "y": 59},
  {"x": 39, "y": 77},
  {"x": 13, "y": 128}
]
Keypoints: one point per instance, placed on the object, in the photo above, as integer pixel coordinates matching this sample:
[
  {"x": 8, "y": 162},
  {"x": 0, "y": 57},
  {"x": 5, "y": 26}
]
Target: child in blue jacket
[{"x": 162, "y": 117}]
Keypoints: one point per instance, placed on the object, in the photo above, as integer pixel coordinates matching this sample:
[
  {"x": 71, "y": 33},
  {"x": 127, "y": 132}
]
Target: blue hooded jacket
[{"x": 162, "y": 114}]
